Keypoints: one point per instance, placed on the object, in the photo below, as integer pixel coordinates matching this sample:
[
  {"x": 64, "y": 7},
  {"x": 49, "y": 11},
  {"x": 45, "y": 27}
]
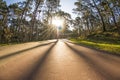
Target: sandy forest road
[{"x": 59, "y": 60}]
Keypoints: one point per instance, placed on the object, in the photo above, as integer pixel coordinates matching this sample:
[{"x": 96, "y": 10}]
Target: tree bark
[
  {"x": 113, "y": 16},
  {"x": 103, "y": 23}
]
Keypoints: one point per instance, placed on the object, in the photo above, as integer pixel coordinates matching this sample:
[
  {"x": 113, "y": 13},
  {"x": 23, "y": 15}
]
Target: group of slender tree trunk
[
  {"x": 93, "y": 15},
  {"x": 26, "y": 21},
  {"x": 31, "y": 20}
]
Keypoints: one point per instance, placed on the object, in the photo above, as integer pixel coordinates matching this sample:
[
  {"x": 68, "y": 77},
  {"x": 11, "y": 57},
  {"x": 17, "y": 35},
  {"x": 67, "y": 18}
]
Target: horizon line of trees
[{"x": 31, "y": 20}]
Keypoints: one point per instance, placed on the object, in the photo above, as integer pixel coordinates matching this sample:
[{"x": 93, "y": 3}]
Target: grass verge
[
  {"x": 9, "y": 44},
  {"x": 109, "y": 47}
]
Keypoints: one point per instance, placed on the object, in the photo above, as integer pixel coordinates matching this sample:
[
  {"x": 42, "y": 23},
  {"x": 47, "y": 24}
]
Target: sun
[{"x": 57, "y": 22}]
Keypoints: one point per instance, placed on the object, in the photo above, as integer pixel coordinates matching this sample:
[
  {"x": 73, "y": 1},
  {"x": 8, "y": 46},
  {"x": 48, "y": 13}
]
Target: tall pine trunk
[{"x": 103, "y": 23}]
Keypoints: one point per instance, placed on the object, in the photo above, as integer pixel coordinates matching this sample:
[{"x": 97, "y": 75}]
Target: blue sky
[
  {"x": 12, "y": 1},
  {"x": 66, "y": 5}
]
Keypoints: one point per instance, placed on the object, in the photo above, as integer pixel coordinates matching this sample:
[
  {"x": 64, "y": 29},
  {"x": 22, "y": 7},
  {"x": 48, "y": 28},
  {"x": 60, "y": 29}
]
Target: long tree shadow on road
[
  {"x": 38, "y": 64},
  {"x": 103, "y": 54},
  {"x": 94, "y": 64},
  {"x": 28, "y": 67},
  {"x": 102, "y": 51},
  {"x": 19, "y": 52}
]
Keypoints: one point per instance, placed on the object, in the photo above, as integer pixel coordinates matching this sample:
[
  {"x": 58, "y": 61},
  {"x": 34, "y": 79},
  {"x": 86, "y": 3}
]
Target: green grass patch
[
  {"x": 3, "y": 44},
  {"x": 7, "y": 44},
  {"x": 110, "y": 47}
]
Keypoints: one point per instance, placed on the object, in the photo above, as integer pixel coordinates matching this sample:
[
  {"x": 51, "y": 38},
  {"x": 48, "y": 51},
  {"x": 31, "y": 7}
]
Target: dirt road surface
[{"x": 56, "y": 60}]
